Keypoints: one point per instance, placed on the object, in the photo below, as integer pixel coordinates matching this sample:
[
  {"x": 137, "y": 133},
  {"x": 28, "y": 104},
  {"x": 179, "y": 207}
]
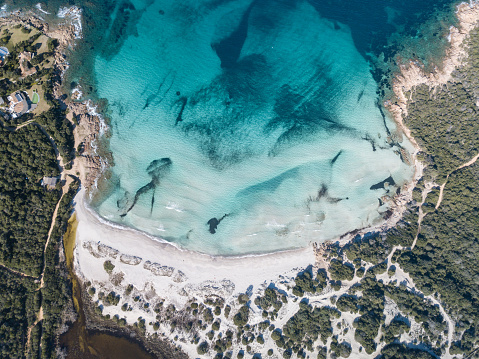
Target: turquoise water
[
  {"x": 250, "y": 126},
  {"x": 243, "y": 127}
]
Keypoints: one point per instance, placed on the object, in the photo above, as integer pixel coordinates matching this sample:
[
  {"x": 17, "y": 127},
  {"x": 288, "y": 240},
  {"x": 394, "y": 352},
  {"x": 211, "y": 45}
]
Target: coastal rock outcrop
[
  {"x": 100, "y": 250},
  {"x": 131, "y": 260},
  {"x": 158, "y": 269},
  {"x": 207, "y": 288}
]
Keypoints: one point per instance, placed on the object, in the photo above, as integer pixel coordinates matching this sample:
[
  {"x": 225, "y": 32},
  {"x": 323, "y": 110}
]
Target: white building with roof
[{"x": 3, "y": 54}]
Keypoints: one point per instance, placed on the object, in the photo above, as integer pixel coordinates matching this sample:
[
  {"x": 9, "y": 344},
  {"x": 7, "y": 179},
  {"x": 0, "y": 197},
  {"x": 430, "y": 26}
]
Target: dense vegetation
[
  {"x": 444, "y": 260},
  {"x": 18, "y": 305},
  {"x": 26, "y": 208},
  {"x": 27, "y": 154}
]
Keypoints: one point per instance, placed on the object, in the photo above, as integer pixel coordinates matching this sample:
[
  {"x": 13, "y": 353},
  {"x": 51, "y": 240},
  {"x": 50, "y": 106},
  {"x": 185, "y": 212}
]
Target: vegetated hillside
[
  {"x": 27, "y": 208},
  {"x": 31, "y": 311},
  {"x": 444, "y": 261}
]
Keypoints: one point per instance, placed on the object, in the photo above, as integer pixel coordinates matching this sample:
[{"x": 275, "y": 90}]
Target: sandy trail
[
  {"x": 467, "y": 164},
  {"x": 13, "y": 271}
]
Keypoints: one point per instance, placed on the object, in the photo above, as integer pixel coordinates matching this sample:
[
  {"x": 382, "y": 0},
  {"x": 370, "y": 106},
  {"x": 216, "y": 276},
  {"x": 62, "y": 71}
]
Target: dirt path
[
  {"x": 65, "y": 188},
  {"x": 421, "y": 215},
  {"x": 29, "y": 330},
  {"x": 412, "y": 287},
  {"x": 467, "y": 164},
  {"x": 450, "y": 322},
  {"x": 54, "y": 218},
  {"x": 13, "y": 271},
  {"x": 23, "y": 124}
]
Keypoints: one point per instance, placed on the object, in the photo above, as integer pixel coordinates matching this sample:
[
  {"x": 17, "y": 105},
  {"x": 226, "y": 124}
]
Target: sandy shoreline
[{"x": 198, "y": 267}]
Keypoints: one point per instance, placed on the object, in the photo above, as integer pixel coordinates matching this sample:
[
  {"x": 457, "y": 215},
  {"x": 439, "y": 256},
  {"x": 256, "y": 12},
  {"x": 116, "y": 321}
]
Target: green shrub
[
  {"x": 208, "y": 315},
  {"x": 340, "y": 270},
  {"x": 203, "y": 348},
  {"x": 379, "y": 268},
  {"x": 243, "y": 298},
  {"x": 276, "y": 334},
  {"x": 108, "y": 266},
  {"x": 347, "y": 303},
  {"x": 216, "y": 325},
  {"x": 241, "y": 318},
  {"x": 112, "y": 299},
  {"x": 128, "y": 289}
]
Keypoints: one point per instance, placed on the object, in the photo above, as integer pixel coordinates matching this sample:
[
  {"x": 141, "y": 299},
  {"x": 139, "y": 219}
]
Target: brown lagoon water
[{"x": 82, "y": 343}]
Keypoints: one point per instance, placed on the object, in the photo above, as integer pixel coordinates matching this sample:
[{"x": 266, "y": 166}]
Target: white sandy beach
[{"x": 197, "y": 268}]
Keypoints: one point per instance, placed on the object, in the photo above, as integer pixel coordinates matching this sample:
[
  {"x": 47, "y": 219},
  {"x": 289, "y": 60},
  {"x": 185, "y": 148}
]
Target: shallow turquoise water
[{"x": 257, "y": 121}]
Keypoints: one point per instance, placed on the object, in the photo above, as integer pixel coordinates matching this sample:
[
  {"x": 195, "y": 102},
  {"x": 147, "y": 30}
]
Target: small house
[
  {"x": 19, "y": 104},
  {"x": 50, "y": 182}
]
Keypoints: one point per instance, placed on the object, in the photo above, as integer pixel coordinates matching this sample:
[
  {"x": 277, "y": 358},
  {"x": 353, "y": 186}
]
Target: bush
[
  {"x": 241, "y": 318},
  {"x": 202, "y": 349},
  {"x": 304, "y": 283},
  {"x": 391, "y": 270},
  {"x": 268, "y": 299},
  {"x": 309, "y": 323},
  {"x": 129, "y": 289},
  {"x": 342, "y": 349},
  {"x": 243, "y": 298},
  {"x": 340, "y": 270},
  {"x": 276, "y": 334},
  {"x": 112, "y": 299},
  {"x": 216, "y": 325},
  {"x": 379, "y": 268},
  {"x": 208, "y": 315},
  {"x": 108, "y": 266},
  {"x": 347, "y": 303}
]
